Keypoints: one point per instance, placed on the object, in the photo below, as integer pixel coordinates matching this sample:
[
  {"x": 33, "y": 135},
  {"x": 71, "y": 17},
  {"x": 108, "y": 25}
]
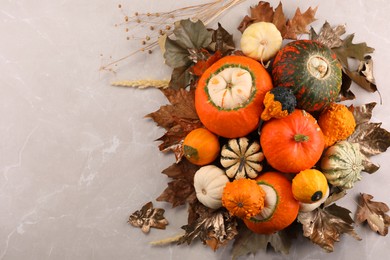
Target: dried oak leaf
[
  {"x": 181, "y": 189},
  {"x": 248, "y": 242},
  {"x": 351, "y": 50},
  {"x": 329, "y": 36},
  {"x": 363, "y": 76},
  {"x": 324, "y": 226},
  {"x": 214, "y": 228},
  {"x": 371, "y": 137},
  {"x": 374, "y": 213},
  {"x": 148, "y": 217},
  {"x": 299, "y": 23},
  {"x": 178, "y": 118}
]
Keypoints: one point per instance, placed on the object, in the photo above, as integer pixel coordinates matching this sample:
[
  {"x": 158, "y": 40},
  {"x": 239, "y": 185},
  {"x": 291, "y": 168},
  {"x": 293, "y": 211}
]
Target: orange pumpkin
[
  {"x": 293, "y": 143},
  {"x": 243, "y": 198},
  {"x": 280, "y": 207},
  {"x": 229, "y": 96},
  {"x": 201, "y": 147}
]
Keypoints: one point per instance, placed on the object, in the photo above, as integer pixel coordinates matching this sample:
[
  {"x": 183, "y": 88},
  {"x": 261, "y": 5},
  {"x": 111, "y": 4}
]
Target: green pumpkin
[
  {"x": 311, "y": 70},
  {"x": 342, "y": 164}
]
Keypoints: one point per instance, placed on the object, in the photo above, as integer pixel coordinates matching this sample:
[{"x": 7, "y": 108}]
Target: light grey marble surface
[{"x": 77, "y": 155}]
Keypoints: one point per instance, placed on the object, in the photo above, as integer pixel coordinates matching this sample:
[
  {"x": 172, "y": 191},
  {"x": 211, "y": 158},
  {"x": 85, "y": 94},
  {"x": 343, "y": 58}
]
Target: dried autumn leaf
[
  {"x": 329, "y": 36},
  {"x": 364, "y": 75},
  {"x": 299, "y": 23},
  {"x": 345, "y": 92},
  {"x": 371, "y": 137},
  {"x": 374, "y": 213},
  {"x": 188, "y": 35},
  {"x": 179, "y": 118},
  {"x": 202, "y": 65},
  {"x": 213, "y": 227},
  {"x": 221, "y": 41},
  {"x": 351, "y": 50},
  {"x": 335, "y": 194},
  {"x": 148, "y": 217},
  {"x": 248, "y": 242},
  {"x": 324, "y": 226},
  {"x": 181, "y": 189}
]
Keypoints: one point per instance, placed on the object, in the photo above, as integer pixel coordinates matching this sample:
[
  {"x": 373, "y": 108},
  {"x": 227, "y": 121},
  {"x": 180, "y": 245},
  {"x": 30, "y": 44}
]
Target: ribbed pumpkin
[
  {"x": 342, "y": 164},
  {"x": 243, "y": 198},
  {"x": 201, "y": 147},
  {"x": 311, "y": 70},
  {"x": 209, "y": 182},
  {"x": 280, "y": 207},
  {"x": 293, "y": 143},
  {"x": 309, "y": 186},
  {"x": 242, "y": 158},
  {"x": 229, "y": 96}
]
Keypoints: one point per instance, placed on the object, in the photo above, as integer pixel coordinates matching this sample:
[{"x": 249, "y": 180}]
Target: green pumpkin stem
[{"x": 301, "y": 138}]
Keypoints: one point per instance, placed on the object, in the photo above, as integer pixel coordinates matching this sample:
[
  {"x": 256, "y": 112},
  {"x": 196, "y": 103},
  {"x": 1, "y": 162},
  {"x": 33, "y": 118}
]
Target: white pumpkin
[{"x": 209, "y": 182}]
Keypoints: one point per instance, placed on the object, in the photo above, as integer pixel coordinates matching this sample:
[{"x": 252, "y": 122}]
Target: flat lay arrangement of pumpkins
[
  {"x": 237, "y": 96},
  {"x": 265, "y": 130}
]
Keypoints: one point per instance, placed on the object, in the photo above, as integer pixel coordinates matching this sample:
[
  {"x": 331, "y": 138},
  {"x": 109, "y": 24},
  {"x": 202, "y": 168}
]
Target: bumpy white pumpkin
[
  {"x": 261, "y": 41},
  {"x": 209, "y": 182}
]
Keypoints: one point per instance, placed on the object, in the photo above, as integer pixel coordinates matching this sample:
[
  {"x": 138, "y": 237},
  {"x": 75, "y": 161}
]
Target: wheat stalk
[{"x": 143, "y": 83}]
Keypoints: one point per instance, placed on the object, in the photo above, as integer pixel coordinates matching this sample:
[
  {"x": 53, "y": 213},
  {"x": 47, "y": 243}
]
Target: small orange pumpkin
[
  {"x": 280, "y": 207},
  {"x": 201, "y": 147},
  {"x": 229, "y": 96},
  {"x": 243, "y": 198},
  {"x": 293, "y": 143}
]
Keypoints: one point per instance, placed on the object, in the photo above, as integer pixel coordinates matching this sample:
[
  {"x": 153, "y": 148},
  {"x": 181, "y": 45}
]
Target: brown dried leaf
[
  {"x": 148, "y": 217},
  {"x": 262, "y": 12},
  {"x": 221, "y": 41},
  {"x": 329, "y": 36},
  {"x": 374, "y": 213},
  {"x": 299, "y": 23},
  {"x": 345, "y": 92},
  {"x": 335, "y": 195},
  {"x": 179, "y": 118},
  {"x": 364, "y": 75},
  {"x": 324, "y": 226},
  {"x": 213, "y": 227},
  {"x": 279, "y": 19},
  {"x": 181, "y": 189},
  {"x": 351, "y": 50},
  {"x": 362, "y": 114},
  {"x": 248, "y": 242}
]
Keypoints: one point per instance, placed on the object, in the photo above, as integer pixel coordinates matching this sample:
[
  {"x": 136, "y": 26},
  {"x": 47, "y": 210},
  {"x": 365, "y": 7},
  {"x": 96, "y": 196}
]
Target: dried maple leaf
[
  {"x": 181, "y": 189},
  {"x": 289, "y": 29},
  {"x": 374, "y": 213},
  {"x": 179, "y": 118},
  {"x": 248, "y": 242},
  {"x": 371, "y": 137},
  {"x": 324, "y": 226},
  {"x": 148, "y": 217},
  {"x": 213, "y": 227},
  {"x": 299, "y": 23}
]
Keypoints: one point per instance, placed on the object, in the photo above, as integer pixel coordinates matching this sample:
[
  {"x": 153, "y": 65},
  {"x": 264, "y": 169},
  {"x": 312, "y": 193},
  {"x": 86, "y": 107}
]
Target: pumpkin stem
[{"x": 301, "y": 138}]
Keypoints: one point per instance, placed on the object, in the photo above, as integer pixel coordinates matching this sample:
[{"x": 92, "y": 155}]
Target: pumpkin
[
  {"x": 337, "y": 123},
  {"x": 311, "y": 70},
  {"x": 280, "y": 207},
  {"x": 307, "y": 207},
  {"x": 241, "y": 158},
  {"x": 261, "y": 41},
  {"x": 201, "y": 147},
  {"x": 278, "y": 102},
  {"x": 243, "y": 198},
  {"x": 209, "y": 182},
  {"x": 342, "y": 164},
  {"x": 293, "y": 143},
  {"x": 229, "y": 96},
  {"x": 309, "y": 186}
]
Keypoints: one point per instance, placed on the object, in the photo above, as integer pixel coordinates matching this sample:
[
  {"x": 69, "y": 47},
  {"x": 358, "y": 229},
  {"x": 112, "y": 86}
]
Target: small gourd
[
  {"x": 209, "y": 182},
  {"x": 243, "y": 198},
  {"x": 342, "y": 164},
  {"x": 309, "y": 186},
  {"x": 241, "y": 158},
  {"x": 279, "y": 102},
  {"x": 307, "y": 207},
  {"x": 337, "y": 123},
  {"x": 261, "y": 41}
]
